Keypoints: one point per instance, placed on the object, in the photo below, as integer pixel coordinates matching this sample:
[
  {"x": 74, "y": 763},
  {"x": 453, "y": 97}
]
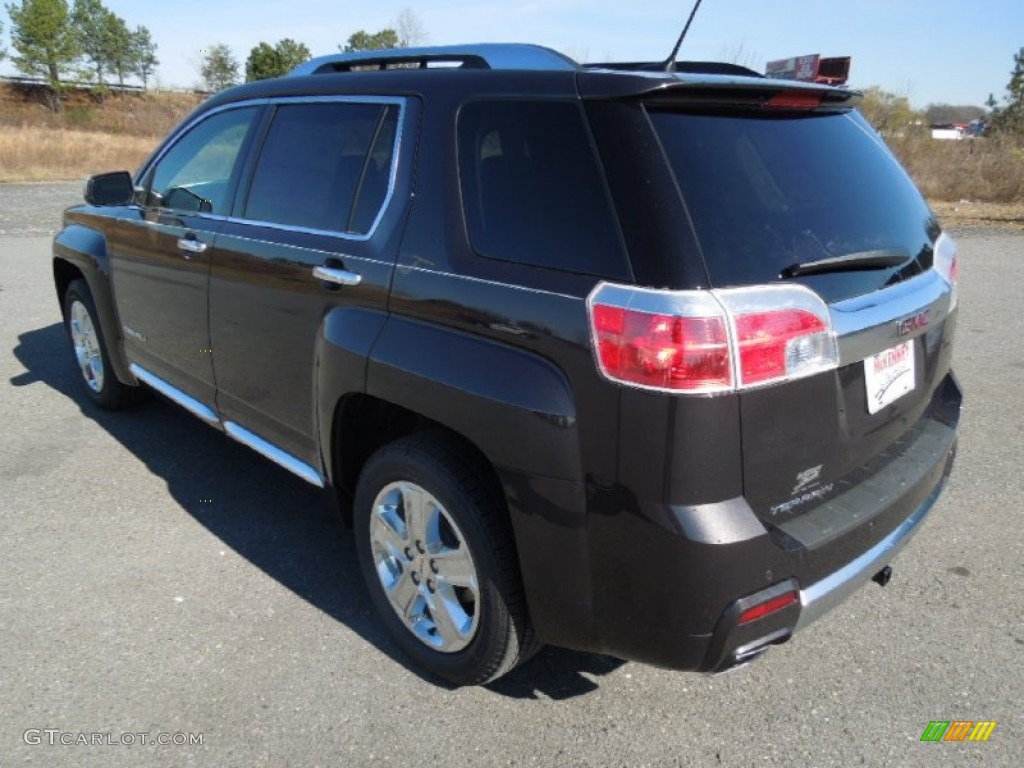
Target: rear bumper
[
  {"x": 733, "y": 645},
  {"x": 667, "y": 584},
  {"x": 822, "y": 596}
]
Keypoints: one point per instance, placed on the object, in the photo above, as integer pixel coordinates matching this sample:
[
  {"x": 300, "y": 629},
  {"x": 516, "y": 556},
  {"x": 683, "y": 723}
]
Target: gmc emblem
[{"x": 913, "y": 323}]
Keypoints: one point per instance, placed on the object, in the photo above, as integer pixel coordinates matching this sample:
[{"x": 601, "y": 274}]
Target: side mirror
[{"x": 110, "y": 189}]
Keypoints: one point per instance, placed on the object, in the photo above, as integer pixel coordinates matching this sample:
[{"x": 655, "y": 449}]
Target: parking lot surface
[{"x": 159, "y": 580}]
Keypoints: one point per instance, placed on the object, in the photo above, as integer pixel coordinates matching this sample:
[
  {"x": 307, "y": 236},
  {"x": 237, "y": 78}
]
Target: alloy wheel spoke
[
  {"x": 454, "y": 567},
  {"x": 390, "y": 539},
  {"x": 390, "y": 530},
  {"x": 416, "y": 508},
  {"x": 403, "y": 595},
  {"x": 441, "y": 610}
]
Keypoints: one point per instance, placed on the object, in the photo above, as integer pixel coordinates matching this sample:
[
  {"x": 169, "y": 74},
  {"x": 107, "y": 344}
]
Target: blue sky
[{"x": 930, "y": 51}]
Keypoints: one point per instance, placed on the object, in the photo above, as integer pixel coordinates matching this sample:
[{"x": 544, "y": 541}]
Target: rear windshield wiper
[{"x": 850, "y": 262}]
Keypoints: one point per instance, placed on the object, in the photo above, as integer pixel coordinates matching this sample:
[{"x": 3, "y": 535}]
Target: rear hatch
[{"x": 780, "y": 190}]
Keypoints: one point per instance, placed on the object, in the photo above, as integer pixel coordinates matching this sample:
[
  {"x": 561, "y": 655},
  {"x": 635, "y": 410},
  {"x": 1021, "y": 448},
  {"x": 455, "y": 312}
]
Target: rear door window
[
  {"x": 532, "y": 188},
  {"x": 325, "y": 166},
  {"x": 766, "y": 192}
]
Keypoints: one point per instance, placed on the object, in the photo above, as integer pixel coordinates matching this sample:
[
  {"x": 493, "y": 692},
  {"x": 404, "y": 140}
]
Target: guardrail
[{"x": 78, "y": 85}]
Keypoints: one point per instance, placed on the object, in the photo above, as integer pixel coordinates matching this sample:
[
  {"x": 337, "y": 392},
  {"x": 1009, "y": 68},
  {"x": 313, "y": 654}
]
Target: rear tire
[
  {"x": 436, "y": 550},
  {"x": 90, "y": 351}
]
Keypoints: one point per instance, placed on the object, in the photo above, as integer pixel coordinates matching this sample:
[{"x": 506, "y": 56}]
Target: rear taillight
[
  {"x": 672, "y": 341},
  {"x": 710, "y": 341},
  {"x": 770, "y": 341},
  {"x": 946, "y": 264}
]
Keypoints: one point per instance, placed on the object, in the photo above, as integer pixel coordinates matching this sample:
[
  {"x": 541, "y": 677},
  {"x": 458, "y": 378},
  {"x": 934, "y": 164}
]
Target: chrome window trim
[
  {"x": 179, "y": 134},
  {"x": 400, "y": 101}
]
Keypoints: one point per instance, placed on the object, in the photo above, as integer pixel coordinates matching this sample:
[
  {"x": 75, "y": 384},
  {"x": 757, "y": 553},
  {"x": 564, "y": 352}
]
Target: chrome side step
[
  {"x": 275, "y": 454},
  {"x": 236, "y": 431},
  {"x": 171, "y": 392}
]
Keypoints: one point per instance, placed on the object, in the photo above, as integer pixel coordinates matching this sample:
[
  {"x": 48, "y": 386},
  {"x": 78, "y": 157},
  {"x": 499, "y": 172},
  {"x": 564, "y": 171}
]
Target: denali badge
[
  {"x": 807, "y": 477},
  {"x": 916, "y": 322}
]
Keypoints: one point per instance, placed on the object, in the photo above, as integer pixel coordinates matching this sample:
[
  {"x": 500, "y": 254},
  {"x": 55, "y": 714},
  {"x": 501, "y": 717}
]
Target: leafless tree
[{"x": 411, "y": 32}]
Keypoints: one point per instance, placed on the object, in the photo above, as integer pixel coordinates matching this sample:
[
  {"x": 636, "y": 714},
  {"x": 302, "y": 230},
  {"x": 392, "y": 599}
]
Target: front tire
[
  {"x": 436, "y": 551},
  {"x": 82, "y": 324}
]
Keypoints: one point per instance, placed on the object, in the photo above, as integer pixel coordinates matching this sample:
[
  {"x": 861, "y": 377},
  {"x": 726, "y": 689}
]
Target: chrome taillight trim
[
  {"x": 692, "y": 304},
  {"x": 724, "y": 303}
]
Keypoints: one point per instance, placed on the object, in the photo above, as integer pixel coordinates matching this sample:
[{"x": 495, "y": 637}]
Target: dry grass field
[
  {"x": 970, "y": 183},
  {"x": 89, "y": 136},
  {"x": 45, "y": 154},
  {"x": 989, "y": 170}
]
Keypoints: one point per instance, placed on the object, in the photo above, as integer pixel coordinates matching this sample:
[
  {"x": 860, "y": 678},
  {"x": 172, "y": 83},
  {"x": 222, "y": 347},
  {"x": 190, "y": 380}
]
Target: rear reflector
[
  {"x": 702, "y": 342},
  {"x": 764, "y": 609}
]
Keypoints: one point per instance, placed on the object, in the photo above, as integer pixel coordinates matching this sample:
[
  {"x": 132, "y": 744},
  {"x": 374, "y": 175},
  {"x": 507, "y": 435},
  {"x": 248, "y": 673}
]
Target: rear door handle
[
  {"x": 191, "y": 245},
  {"x": 337, "y": 276}
]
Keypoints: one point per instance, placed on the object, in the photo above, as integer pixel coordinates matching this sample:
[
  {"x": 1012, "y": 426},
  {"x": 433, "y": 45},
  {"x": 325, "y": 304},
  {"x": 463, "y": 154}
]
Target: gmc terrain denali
[{"x": 647, "y": 363}]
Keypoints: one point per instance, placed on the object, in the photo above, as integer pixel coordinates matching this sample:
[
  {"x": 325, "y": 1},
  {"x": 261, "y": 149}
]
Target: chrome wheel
[
  {"x": 425, "y": 567},
  {"x": 87, "y": 346}
]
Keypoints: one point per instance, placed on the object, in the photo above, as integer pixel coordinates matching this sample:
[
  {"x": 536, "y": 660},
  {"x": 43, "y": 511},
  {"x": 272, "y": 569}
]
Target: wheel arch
[
  {"x": 511, "y": 409},
  {"x": 80, "y": 252},
  {"x": 375, "y": 423}
]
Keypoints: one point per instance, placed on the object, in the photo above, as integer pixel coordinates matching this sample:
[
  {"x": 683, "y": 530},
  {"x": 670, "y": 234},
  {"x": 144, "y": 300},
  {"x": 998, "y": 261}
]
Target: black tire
[
  {"x": 101, "y": 383},
  {"x": 503, "y": 636}
]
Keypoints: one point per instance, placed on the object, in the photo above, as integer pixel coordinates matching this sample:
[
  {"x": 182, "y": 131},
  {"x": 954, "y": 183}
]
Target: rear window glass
[
  {"x": 769, "y": 192},
  {"x": 324, "y": 166},
  {"x": 532, "y": 189}
]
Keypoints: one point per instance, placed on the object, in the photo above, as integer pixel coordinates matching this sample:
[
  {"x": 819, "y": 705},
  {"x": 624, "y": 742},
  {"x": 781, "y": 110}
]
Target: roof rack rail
[
  {"x": 682, "y": 67},
  {"x": 478, "y": 56}
]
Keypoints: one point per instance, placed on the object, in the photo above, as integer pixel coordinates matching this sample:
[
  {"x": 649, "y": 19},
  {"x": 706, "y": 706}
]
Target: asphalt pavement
[{"x": 158, "y": 581}]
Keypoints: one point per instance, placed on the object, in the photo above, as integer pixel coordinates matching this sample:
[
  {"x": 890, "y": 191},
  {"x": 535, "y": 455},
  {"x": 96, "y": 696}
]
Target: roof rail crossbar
[{"x": 481, "y": 56}]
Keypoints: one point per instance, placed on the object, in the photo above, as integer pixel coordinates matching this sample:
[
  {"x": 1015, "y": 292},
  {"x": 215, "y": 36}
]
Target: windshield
[{"x": 770, "y": 191}]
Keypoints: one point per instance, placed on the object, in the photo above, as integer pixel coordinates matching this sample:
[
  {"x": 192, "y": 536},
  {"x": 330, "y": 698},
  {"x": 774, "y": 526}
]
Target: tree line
[
  {"x": 892, "y": 115},
  {"x": 1008, "y": 116},
  {"x": 57, "y": 42},
  {"x": 219, "y": 68}
]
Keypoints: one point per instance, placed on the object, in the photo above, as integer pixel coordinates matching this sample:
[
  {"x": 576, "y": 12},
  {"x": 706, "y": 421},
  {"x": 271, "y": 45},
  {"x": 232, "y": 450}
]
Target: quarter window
[
  {"x": 532, "y": 189},
  {"x": 195, "y": 175},
  {"x": 325, "y": 166}
]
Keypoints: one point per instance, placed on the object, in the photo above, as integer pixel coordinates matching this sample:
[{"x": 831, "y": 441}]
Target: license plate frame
[{"x": 889, "y": 375}]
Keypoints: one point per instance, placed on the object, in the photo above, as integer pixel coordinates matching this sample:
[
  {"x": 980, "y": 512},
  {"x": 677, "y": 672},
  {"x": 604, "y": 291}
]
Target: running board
[
  {"x": 237, "y": 432},
  {"x": 275, "y": 454},
  {"x": 171, "y": 392}
]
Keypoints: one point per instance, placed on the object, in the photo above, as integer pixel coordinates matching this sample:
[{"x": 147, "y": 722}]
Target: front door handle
[
  {"x": 191, "y": 245},
  {"x": 337, "y": 276}
]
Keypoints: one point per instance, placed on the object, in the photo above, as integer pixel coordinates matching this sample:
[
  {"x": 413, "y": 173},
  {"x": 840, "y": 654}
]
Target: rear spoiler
[{"x": 712, "y": 90}]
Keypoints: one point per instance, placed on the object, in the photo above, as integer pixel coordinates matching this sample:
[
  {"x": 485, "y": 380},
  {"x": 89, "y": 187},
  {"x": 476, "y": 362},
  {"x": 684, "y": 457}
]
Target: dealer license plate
[{"x": 889, "y": 375}]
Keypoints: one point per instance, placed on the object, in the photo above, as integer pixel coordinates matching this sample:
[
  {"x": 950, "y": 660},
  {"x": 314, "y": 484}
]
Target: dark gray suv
[{"x": 643, "y": 362}]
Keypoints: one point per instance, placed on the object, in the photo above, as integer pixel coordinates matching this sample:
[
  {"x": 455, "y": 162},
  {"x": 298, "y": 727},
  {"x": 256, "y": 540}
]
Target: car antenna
[{"x": 670, "y": 62}]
